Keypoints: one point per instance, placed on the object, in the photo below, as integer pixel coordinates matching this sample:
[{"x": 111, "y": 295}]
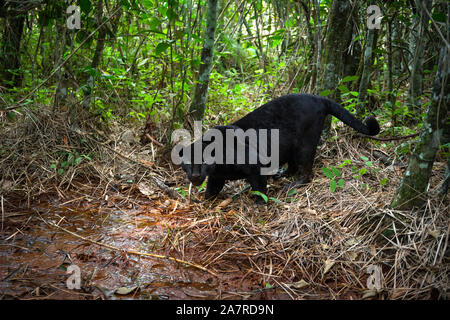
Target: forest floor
[{"x": 123, "y": 215}]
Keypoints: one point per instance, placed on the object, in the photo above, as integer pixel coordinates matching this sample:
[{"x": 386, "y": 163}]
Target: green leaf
[
  {"x": 275, "y": 200},
  {"x": 85, "y": 6},
  {"x": 327, "y": 172},
  {"x": 161, "y": 47},
  {"x": 343, "y": 89},
  {"x": 341, "y": 183},
  {"x": 181, "y": 191},
  {"x": 439, "y": 16},
  {"x": 384, "y": 181},
  {"x": 154, "y": 22},
  {"x": 147, "y": 4},
  {"x": 11, "y": 115},
  {"x": 202, "y": 187},
  {"x": 364, "y": 158},
  {"x": 336, "y": 172},
  {"x": 369, "y": 163},
  {"x": 349, "y": 78},
  {"x": 292, "y": 192},
  {"x": 262, "y": 195},
  {"x": 333, "y": 185},
  {"x": 171, "y": 15},
  {"x": 362, "y": 171},
  {"x": 325, "y": 93}
]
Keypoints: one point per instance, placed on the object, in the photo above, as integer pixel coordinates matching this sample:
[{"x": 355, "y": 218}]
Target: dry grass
[
  {"x": 322, "y": 244},
  {"x": 314, "y": 245}
]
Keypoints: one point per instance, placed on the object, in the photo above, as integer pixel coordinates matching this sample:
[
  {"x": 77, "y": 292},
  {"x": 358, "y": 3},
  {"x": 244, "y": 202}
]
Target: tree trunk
[
  {"x": 10, "y": 51},
  {"x": 397, "y": 50},
  {"x": 334, "y": 49},
  {"x": 197, "y": 108},
  {"x": 365, "y": 76},
  {"x": 352, "y": 49},
  {"x": 89, "y": 88},
  {"x": 390, "y": 86},
  {"x": 318, "y": 50},
  {"x": 413, "y": 187},
  {"x": 415, "y": 85}
]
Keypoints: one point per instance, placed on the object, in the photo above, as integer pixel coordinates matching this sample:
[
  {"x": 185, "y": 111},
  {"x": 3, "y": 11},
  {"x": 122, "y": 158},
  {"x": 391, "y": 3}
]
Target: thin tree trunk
[
  {"x": 352, "y": 49},
  {"x": 316, "y": 75},
  {"x": 62, "y": 85},
  {"x": 365, "y": 76},
  {"x": 197, "y": 107},
  {"x": 89, "y": 88},
  {"x": 334, "y": 49},
  {"x": 390, "y": 87},
  {"x": 258, "y": 39},
  {"x": 10, "y": 49},
  {"x": 415, "y": 85},
  {"x": 397, "y": 52},
  {"x": 413, "y": 187},
  {"x": 307, "y": 15}
]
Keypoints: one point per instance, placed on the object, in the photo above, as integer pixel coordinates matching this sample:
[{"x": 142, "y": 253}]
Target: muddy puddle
[{"x": 35, "y": 256}]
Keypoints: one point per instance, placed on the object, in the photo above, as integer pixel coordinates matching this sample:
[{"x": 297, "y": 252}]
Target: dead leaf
[
  {"x": 231, "y": 212},
  {"x": 300, "y": 284},
  {"x": 328, "y": 264},
  {"x": 147, "y": 163},
  {"x": 433, "y": 233},
  {"x": 351, "y": 242},
  {"x": 7, "y": 185},
  {"x": 352, "y": 255},
  {"x": 369, "y": 293},
  {"x": 310, "y": 211},
  {"x": 145, "y": 189},
  {"x": 224, "y": 203},
  {"x": 125, "y": 290},
  {"x": 66, "y": 142}
]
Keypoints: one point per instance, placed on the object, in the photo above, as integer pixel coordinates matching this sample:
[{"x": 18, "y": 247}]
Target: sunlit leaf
[
  {"x": 262, "y": 195},
  {"x": 349, "y": 78},
  {"x": 325, "y": 93},
  {"x": 333, "y": 186},
  {"x": 327, "y": 172}
]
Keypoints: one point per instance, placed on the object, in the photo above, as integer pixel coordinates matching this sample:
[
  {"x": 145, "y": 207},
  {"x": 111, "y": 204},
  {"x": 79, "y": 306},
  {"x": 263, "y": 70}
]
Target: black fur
[{"x": 299, "y": 119}]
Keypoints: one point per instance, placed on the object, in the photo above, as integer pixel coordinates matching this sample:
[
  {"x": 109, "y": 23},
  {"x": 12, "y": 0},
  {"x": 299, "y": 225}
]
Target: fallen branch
[
  {"x": 153, "y": 140},
  {"x": 391, "y": 138}
]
